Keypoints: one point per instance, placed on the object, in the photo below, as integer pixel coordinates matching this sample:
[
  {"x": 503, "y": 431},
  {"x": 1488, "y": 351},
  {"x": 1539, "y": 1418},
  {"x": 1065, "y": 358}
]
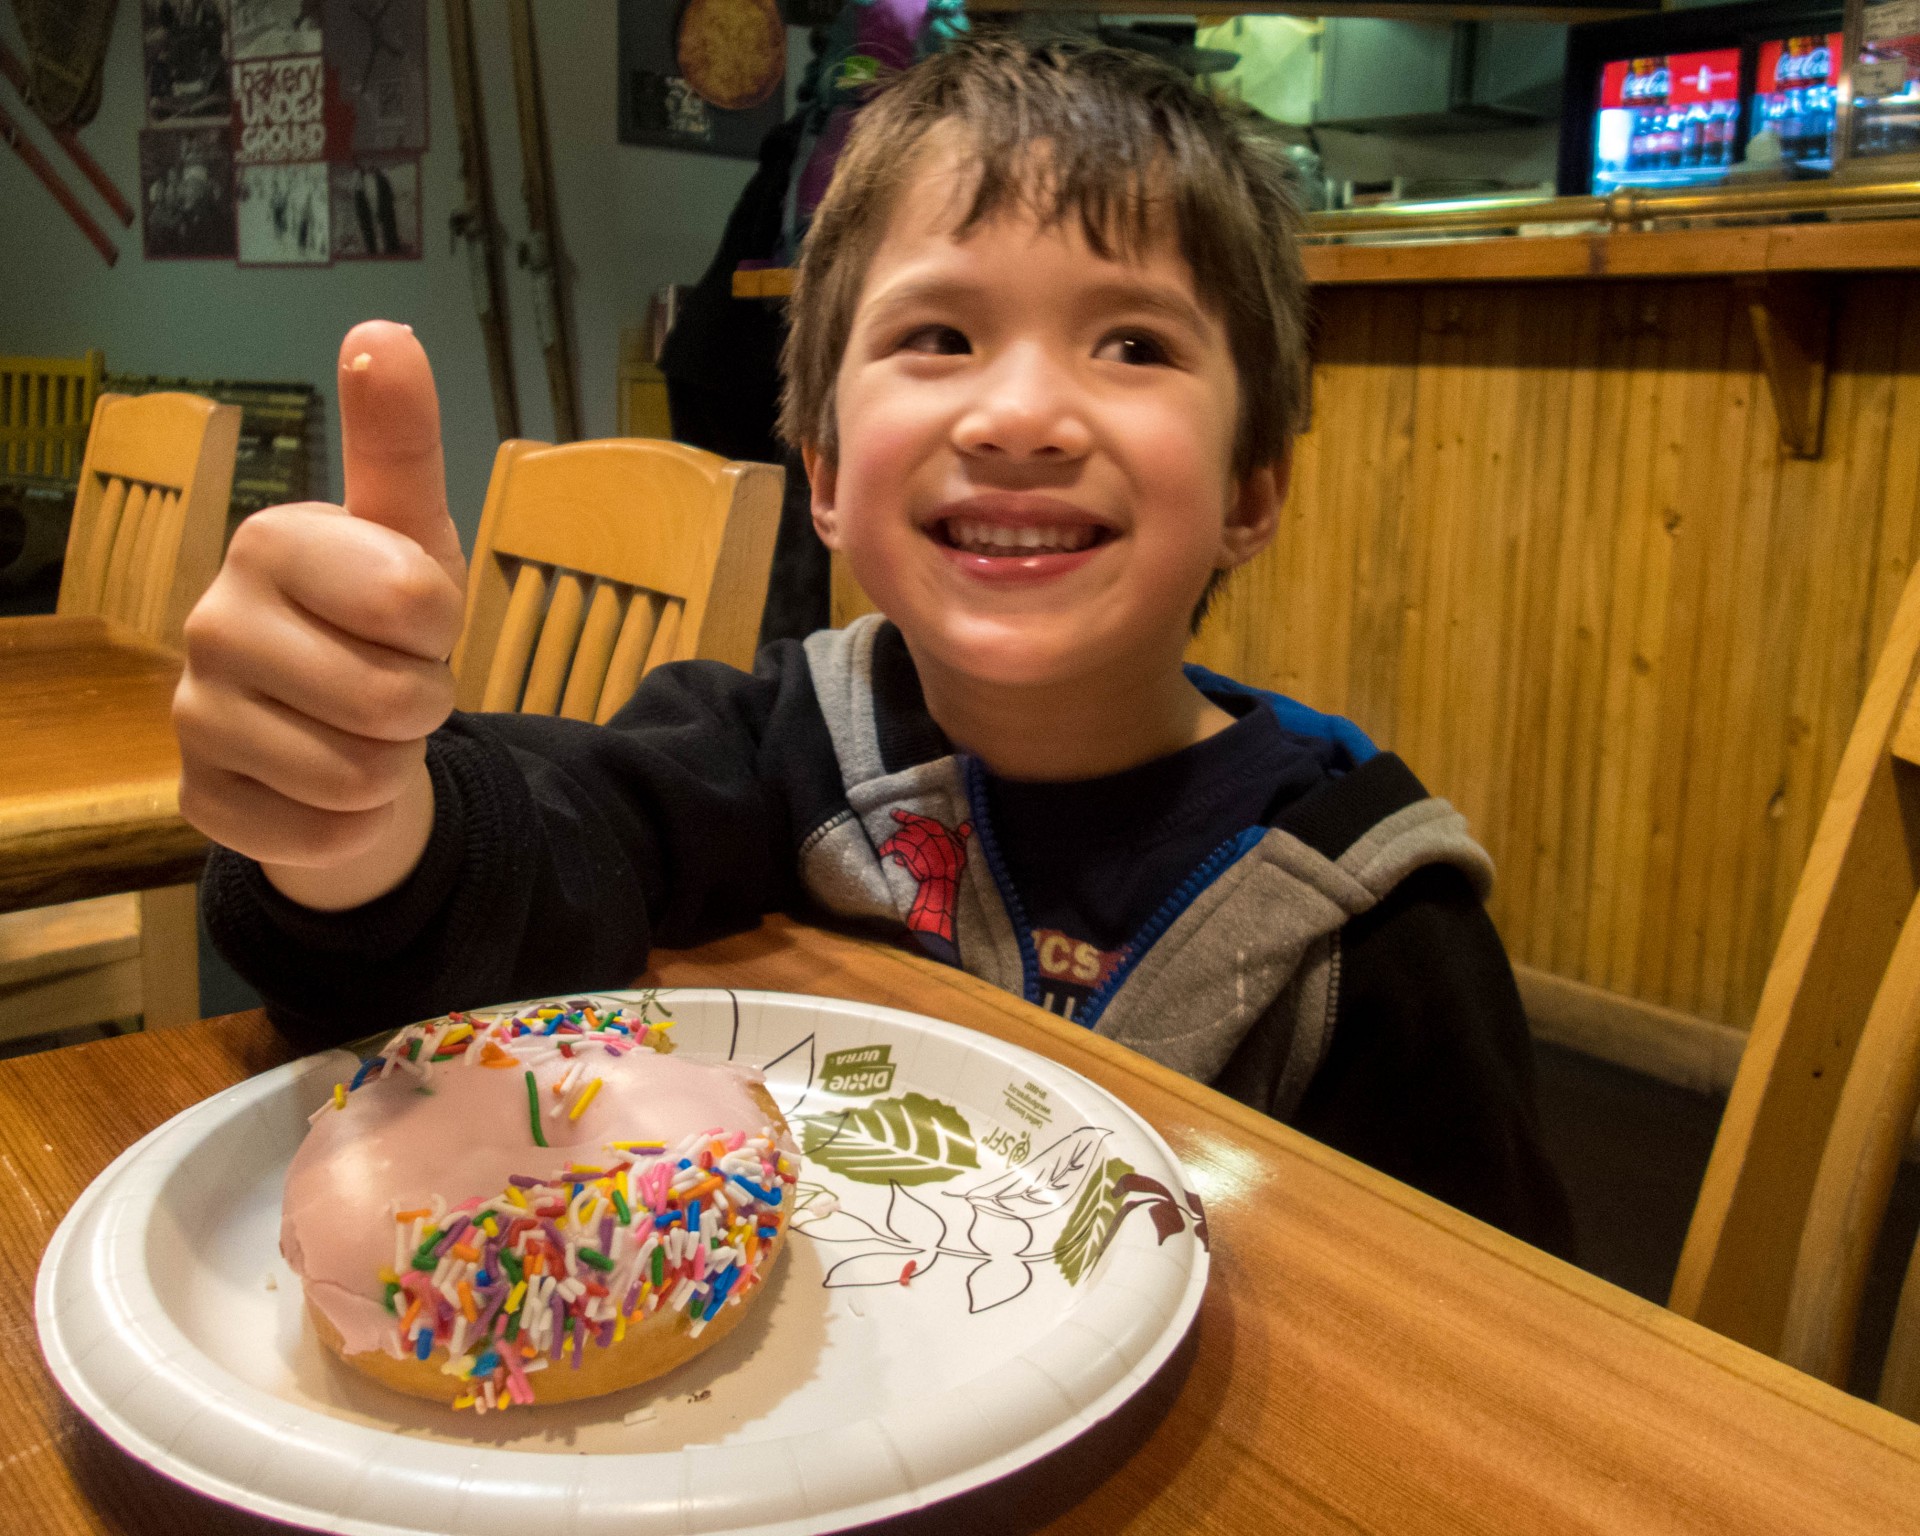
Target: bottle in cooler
[
  {"x": 1791, "y": 125},
  {"x": 1819, "y": 122},
  {"x": 1692, "y": 135},
  {"x": 1718, "y": 146}
]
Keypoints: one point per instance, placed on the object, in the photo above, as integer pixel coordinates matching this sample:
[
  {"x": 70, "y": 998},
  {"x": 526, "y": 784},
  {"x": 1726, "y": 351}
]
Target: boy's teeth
[{"x": 982, "y": 538}]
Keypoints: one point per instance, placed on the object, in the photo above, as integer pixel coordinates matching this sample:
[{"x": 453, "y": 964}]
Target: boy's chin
[{"x": 1036, "y": 655}]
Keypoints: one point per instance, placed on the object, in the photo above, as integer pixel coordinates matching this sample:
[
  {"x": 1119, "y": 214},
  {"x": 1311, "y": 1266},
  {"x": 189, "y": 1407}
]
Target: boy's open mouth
[{"x": 975, "y": 536}]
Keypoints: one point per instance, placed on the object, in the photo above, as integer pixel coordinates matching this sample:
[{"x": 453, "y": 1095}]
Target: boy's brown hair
[{"x": 1118, "y": 136}]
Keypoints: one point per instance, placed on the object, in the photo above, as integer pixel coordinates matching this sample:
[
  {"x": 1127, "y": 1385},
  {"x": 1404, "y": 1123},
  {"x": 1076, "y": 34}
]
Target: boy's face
[{"x": 1034, "y": 469}]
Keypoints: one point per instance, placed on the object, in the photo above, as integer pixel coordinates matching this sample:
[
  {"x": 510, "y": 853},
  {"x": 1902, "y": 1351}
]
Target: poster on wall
[
  {"x": 186, "y": 193},
  {"x": 279, "y": 110},
  {"x": 265, "y": 29},
  {"x": 284, "y": 132},
  {"x": 186, "y": 51},
  {"x": 281, "y": 214},
  {"x": 704, "y": 75},
  {"x": 377, "y": 60},
  {"x": 374, "y": 211}
]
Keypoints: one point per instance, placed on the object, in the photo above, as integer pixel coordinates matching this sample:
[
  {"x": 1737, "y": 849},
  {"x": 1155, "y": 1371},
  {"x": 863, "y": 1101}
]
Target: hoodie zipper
[
  {"x": 974, "y": 779},
  {"x": 1184, "y": 895}
]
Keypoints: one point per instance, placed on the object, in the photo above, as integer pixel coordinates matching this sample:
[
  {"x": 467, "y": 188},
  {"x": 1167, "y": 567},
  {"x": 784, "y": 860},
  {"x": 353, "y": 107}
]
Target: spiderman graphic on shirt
[{"x": 934, "y": 855}]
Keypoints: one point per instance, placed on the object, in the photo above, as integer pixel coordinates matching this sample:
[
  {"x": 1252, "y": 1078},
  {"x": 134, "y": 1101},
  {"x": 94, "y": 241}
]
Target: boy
[{"x": 1045, "y": 368}]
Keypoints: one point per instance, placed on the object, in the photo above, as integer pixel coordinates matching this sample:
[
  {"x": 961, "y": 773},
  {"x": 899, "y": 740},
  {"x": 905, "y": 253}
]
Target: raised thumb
[{"x": 395, "y": 468}]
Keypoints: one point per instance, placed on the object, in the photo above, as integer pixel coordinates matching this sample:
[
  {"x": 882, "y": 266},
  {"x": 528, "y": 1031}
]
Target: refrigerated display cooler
[
  {"x": 1794, "y": 96},
  {"x": 1667, "y": 120},
  {"x": 1682, "y": 98}
]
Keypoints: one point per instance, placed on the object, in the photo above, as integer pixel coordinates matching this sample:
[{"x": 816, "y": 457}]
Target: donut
[{"x": 535, "y": 1205}]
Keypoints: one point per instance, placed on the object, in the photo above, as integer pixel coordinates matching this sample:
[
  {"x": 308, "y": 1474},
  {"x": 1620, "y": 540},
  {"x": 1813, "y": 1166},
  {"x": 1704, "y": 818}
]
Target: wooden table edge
[
  {"x": 155, "y": 800},
  {"x": 47, "y": 631}
]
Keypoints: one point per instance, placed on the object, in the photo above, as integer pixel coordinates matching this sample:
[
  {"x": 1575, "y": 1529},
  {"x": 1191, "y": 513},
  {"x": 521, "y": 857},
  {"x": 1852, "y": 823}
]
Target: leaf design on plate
[
  {"x": 1199, "y": 1214},
  {"x": 1092, "y": 1222},
  {"x": 790, "y": 1075},
  {"x": 995, "y": 1233},
  {"x": 843, "y": 1226},
  {"x": 887, "y": 1266},
  {"x": 997, "y": 1280},
  {"x": 1160, "y": 1204},
  {"x": 914, "y": 1222},
  {"x": 1047, "y": 1182},
  {"x": 911, "y": 1139}
]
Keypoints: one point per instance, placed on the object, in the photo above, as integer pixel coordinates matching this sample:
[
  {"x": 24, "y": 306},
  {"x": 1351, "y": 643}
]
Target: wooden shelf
[
  {"x": 763, "y": 283},
  {"x": 1863, "y": 246},
  {"x": 1879, "y": 245}
]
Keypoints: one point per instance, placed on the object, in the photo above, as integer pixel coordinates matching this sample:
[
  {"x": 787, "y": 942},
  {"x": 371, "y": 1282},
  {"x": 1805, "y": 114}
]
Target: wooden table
[
  {"x": 90, "y": 770},
  {"x": 1366, "y": 1359}
]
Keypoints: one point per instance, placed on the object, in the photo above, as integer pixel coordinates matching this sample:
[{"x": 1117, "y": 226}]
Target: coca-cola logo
[
  {"x": 1797, "y": 67},
  {"x": 1651, "y": 86},
  {"x": 1797, "y": 62}
]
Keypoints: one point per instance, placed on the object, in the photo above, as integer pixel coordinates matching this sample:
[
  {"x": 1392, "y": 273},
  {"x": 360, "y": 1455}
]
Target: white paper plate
[{"x": 1057, "y": 1262}]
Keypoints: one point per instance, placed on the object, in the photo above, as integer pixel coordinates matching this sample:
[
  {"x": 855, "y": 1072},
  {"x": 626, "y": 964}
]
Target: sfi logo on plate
[{"x": 869, "y": 1069}]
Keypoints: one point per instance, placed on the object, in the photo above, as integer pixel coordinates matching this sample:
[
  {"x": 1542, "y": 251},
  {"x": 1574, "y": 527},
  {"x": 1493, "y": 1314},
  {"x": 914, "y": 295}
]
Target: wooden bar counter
[{"x": 1551, "y": 541}]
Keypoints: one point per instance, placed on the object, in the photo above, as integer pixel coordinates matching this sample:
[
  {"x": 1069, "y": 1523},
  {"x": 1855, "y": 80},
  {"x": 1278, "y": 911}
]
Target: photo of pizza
[{"x": 732, "y": 52}]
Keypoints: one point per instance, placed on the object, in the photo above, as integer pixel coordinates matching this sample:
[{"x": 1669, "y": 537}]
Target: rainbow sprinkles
[{"x": 507, "y": 1285}]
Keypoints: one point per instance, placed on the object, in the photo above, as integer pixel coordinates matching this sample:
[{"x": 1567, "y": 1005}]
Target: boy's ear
[
  {"x": 823, "y": 477},
  {"x": 1255, "y": 514}
]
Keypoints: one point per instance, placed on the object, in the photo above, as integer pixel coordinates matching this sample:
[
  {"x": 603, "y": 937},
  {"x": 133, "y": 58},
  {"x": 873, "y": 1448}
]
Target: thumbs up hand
[{"x": 316, "y": 661}]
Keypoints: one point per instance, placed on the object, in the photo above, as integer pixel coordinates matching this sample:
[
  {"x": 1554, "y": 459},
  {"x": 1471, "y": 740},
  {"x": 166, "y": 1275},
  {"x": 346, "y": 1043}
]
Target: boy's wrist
[{"x": 392, "y": 858}]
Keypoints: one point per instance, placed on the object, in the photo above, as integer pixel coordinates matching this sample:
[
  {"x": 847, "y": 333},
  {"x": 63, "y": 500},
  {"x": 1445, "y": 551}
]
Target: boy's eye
[
  {"x": 939, "y": 340},
  {"x": 1138, "y": 348}
]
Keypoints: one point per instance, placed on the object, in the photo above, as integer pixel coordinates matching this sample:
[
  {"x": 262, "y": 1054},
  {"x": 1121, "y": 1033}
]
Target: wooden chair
[
  {"x": 46, "y": 404},
  {"x": 597, "y": 561},
  {"x": 148, "y": 522},
  {"x": 1796, "y": 1190}
]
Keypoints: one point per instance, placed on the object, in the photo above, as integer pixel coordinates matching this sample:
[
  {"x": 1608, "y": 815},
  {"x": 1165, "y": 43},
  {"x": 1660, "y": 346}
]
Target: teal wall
[{"x": 633, "y": 219}]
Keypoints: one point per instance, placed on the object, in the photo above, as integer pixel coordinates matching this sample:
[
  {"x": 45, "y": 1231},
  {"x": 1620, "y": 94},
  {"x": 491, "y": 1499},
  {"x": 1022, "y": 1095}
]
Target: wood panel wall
[{"x": 1545, "y": 544}]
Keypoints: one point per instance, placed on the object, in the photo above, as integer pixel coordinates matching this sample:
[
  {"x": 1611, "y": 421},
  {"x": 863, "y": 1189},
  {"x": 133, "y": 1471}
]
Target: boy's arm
[
  {"x": 1429, "y": 1075},
  {"x": 559, "y": 853}
]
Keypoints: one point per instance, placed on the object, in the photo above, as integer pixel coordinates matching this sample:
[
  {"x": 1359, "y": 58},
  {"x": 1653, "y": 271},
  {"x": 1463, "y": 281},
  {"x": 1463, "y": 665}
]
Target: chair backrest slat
[
  {"x": 566, "y": 607},
  {"x": 675, "y": 545},
  {"x": 133, "y": 522},
  {"x": 158, "y": 512},
  {"x": 507, "y": 675},
  {"x": 595, "y": 651},
  {"x": 666, "y": 635},
  {"x": 150, "y": 514},
  {"x": 167, "y": 528},
  {"x": 87, "y": 556},
  {"x": 630, "y": 653}
]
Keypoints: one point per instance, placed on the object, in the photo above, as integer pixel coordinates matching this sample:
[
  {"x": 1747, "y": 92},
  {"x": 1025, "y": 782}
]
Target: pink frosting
[{"x": 394, "y": 1147}]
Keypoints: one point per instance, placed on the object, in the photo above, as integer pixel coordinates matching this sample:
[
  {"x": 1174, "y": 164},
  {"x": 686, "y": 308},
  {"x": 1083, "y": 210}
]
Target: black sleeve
[
  {"x": 560, "y": 853},
  {"x": 1429, "y": 1076}
]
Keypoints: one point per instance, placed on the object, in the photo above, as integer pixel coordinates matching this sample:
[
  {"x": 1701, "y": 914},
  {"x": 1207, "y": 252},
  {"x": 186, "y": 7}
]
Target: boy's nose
[{"x": 1026, "y": 407}]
